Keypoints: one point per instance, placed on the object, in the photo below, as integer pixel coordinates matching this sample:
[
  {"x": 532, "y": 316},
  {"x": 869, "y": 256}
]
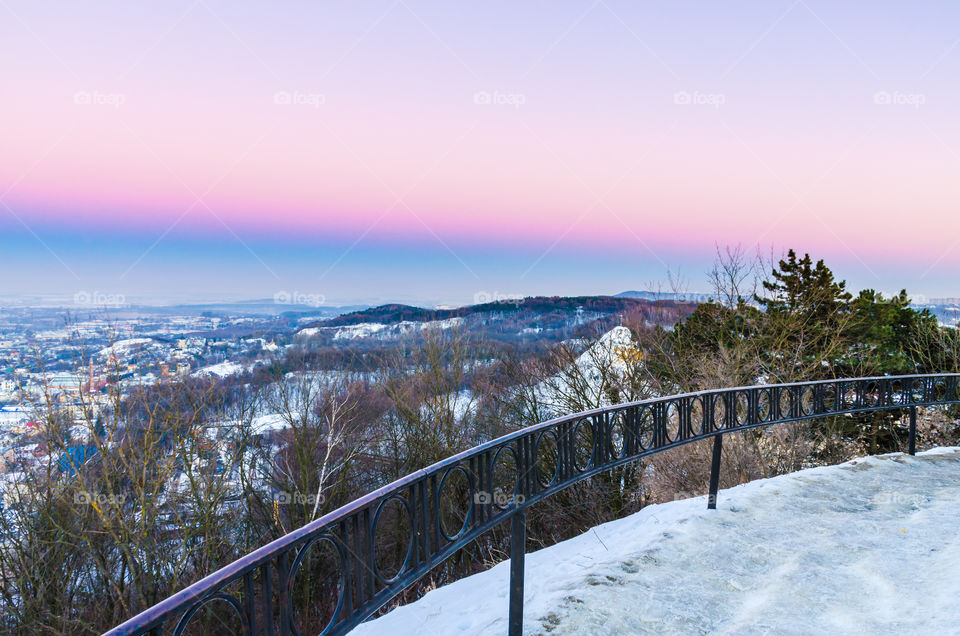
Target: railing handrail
[{"x": 519, "y": 442}]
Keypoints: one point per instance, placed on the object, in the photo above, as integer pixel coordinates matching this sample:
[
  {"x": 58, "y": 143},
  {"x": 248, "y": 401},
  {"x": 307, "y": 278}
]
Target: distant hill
[
  {"x": 536, "y": 319},
  {"x": 695, "y": 297},
  {"x": 393, "y": 313}
]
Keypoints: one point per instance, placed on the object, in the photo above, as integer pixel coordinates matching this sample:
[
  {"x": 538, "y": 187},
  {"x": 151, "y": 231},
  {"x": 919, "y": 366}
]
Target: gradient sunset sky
[{"x": 432, "y": 151}]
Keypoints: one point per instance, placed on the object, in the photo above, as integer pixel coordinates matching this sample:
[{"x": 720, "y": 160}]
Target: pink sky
[{"x": 650, "y": 132}]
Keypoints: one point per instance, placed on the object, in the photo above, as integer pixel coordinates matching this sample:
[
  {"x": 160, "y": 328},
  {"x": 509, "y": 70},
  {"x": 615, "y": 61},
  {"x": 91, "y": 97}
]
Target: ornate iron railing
[{"x": 538, "y": 461}]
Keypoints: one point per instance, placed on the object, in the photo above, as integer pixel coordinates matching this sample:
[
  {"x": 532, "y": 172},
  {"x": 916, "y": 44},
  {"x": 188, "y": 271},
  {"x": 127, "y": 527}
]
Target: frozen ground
[{"x": 867, "y": 547}]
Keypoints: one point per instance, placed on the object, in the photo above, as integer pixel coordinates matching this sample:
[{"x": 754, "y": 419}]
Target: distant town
[{"x": 51, "y": 354}]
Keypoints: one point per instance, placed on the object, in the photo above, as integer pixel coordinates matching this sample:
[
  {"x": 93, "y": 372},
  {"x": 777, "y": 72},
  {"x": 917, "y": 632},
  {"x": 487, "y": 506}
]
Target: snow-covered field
[{"x": 867, "y": 547}]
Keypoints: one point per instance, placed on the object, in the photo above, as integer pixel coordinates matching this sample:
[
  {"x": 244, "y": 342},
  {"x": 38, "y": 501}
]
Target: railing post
[
  {"x": 715, "y": 473},
  {"x": 913, "y": 431},
  {"x": 518, "y": 550}
]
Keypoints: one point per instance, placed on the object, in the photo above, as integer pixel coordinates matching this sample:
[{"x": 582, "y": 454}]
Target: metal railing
[{"x": 538, "y": 461}]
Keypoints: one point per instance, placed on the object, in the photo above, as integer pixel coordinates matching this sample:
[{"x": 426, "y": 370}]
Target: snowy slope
[
  {"x": 124, "y": 347},
  {"x": 221, "y": 370},
  {"x": 606, "y": 361},
  {"x": 381, "y": 330},
  {"x": 870, "y": 546}
]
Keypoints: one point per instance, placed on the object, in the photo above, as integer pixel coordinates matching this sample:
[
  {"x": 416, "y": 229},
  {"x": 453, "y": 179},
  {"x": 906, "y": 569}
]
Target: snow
[
  {"x": 14, "y": 415},
  {"x": 460, "y": 403},
  {"x": 361, "y": 330},
  {"x": 381, "y": 330},
  {"x": 866, "y": 547},
  {"x": 605, "y": 361},
  {"x": 609, "y": 349},
  {"x": 272, "y": 422},
  {"x": 125, "y": 346},
  {"x": 222, "y": 370}
]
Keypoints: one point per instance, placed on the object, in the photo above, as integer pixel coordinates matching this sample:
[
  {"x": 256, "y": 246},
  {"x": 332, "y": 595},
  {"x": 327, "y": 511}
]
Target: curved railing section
[{"x": 535, "y": 462}]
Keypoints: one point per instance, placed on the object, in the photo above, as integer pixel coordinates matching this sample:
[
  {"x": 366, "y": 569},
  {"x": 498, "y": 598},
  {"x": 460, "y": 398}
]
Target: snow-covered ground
[
  {"x": 272, "y": 422},
  {"x": 867, "y": 547}
]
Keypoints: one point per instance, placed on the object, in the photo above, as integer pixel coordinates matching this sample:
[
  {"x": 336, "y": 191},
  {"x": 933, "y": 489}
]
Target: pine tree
[
  {"x": 806, "y": 319},
  {"x": 801, "y": 288}
]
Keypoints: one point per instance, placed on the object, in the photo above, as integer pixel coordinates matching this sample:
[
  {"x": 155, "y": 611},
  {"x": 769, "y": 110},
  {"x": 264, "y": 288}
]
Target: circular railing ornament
[
  {"x": 468, "y": 489},
  {"x": 232, "y": 601},
  {"x": 295, "y": 567}
]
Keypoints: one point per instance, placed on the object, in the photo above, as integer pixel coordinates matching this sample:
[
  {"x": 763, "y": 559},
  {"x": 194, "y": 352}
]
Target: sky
[{"x": 439, "y": 152}]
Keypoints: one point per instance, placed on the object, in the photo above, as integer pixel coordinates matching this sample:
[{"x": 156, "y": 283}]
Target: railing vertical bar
[
  {"x": 369, "y": 565},
  {"x": 364, "y": 555},
  {"x": 913, "y": 431},
  {"x": 729, "y": 409},
  {"x": 248, "y": 603},
  {"x": 660, "y": 425},
  {"x": 518, "y": 550},
  {"x": 484, "y": 484},
  {"x": 266, "y": 589},
  {"x": 349, "y": 596},
  {"x": 604, "y": 422},
  {"x": 524, "y": 467},
  {"x": 423, "y": 525},
  {"x": 286, "y": 593}
]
